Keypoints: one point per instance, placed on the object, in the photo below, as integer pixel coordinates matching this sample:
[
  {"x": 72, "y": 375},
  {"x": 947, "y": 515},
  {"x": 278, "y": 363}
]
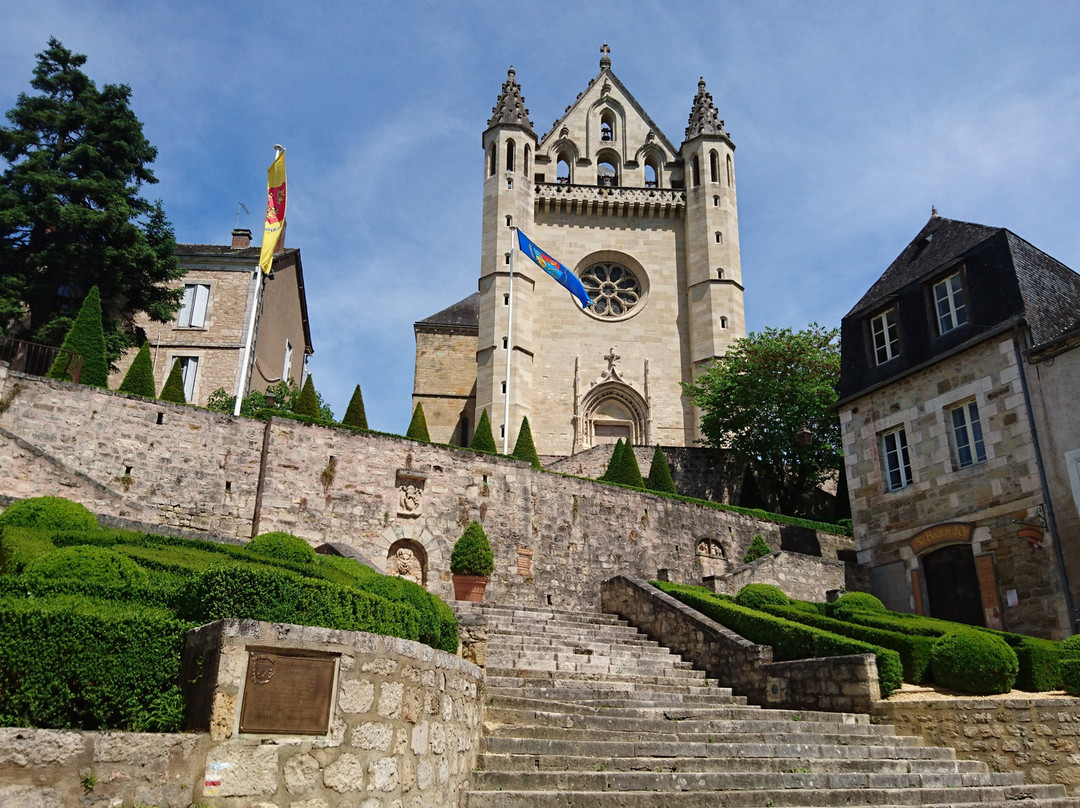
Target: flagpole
[{"x": 509, "y": 344}]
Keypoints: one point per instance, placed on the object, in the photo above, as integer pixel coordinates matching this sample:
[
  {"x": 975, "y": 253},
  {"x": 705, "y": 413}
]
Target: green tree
[
  {"x": 758, "y": 548},
  {"x": 614, "y": 463},
  {"x": 139, "y": 379},
  {"x": 524, "y": 448},
  {"x": 483, "y": 440},
  {"x": 757, "y": 399},
  {"x": 659, "y": 478},
  {"x": 173, "y": 390},
  {"x": 86, "y": 339},
  {"x": 418, "y": 426},
  {"x": 307, "y": 403},
  {"x": 284, "y": 394},
  {"x": 355, "y": 415},
  {"x": 71, "y": 214}
]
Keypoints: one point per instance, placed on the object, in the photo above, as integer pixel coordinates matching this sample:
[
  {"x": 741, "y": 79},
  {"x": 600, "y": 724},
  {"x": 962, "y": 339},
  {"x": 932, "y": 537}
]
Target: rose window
[{"x": 614, "y": 289}]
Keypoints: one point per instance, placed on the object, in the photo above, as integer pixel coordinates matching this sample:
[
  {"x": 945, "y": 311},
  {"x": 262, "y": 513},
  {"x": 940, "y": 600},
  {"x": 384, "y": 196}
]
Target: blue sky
[{"x": 850, "y": 120}]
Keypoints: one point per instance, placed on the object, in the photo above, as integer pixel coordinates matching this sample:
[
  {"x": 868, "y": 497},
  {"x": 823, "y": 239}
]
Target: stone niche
[
  {"x": 710, "y": 555},
  {"x": 408, "y": 559}
]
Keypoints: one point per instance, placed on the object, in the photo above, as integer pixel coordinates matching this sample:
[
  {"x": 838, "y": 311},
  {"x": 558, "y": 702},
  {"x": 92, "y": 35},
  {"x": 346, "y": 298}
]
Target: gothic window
[
  {"x": 730, "y": 173},
  {"x": 695, "y": 171},
  {"x": 607, "y": 175},
  {"x": 509, "y": 155},
  {"x": 614, "y": 289},
  {"x": 716, "y": 201},
  {"x": 651, "y": 173},
  {"x": 723, "y": 322},
  {"x": 562, "y": 170},
  {"x": 719, "y": 237},
  {"x": 714, "y": 166},
  {"x": 525, "y": 166},
  {"x": 491, "y": 160},
  {"x": 607, "y": 126}
]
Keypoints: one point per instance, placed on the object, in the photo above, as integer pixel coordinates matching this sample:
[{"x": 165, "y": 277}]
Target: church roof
[
  {"x": 704, "y": 118},
  {"x": 463, "y": 314},
  {"x": 510, "y": 107}
]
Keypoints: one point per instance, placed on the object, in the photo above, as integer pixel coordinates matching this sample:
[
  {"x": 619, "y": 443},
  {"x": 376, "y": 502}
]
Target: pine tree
[
  {"x": 174, "y": 386},
  {"x": 139, "y": 379},
  {"x": 483, "y": 440},
  {"x": 307, "y": 403},
  {"x": 75, "y": 162},
  {"x": 86, "y": 339},
  {"x": 660, "y": 474},
  {"x": 524, "y": 448},
  {"x": 614, "y": 463},
  {"x": 628, "y": 472},
  {"x": 355, "y": 415},
  {"x": 418, "y": 426}
]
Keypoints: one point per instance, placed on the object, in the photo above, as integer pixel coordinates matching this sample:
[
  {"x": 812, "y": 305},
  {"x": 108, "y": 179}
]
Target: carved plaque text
[{"x": 288, "y": 693}]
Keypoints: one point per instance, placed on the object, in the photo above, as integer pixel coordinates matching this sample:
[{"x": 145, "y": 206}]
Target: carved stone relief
[
  {"x": 410, "y": 492},
  {"x": 710, "y": 555},
  {"x": 407, "y": 559}
]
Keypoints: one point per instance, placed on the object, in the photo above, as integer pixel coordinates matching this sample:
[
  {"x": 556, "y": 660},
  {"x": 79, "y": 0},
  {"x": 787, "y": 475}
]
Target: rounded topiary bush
[
  {"x": 48, "y": 513},
  {"x": 1070, "y": 676},
  {"x": 754, "y": 596},
  {"x": 1070, "y": 648},
  {"x": 850, "y": 602},
  {"x": 472, "y": 553},
  {"x": 974, "y": 662},
  {"x": 88, "y": 566},
  {"x": 283, "y": 546}
]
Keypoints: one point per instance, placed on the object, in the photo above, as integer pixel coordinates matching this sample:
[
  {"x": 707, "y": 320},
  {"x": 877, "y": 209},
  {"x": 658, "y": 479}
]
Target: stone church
[{"x": 650, "y": 228}]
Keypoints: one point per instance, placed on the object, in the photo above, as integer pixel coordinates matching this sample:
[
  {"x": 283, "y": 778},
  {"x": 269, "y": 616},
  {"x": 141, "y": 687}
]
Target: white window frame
[
  {"x": 967, "y": 435},
  {"x": 885, "y": 335},
  {"x": 949, "y": 304},
  {"x": 193, "y": 306},
  {"x": 288, "y": 359},
  {"x": 895, "y": 459},
  {"x": 189, "y": 369}
]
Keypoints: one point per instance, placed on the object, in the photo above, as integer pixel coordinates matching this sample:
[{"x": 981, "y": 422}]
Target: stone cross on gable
[
  {"x": 605, "y": 56},
  {"x": 611, "y": 358}
]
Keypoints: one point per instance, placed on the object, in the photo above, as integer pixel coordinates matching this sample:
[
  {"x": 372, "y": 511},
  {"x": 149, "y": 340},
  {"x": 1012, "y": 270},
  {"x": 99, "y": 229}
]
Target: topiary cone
[
  {"x": 483, "y": 440},
  {"x": 174, "y": 386},
  {"x": 355, "y": 415},
  {"x": 660, "y": 474},
  {"x": 524, "y": 449},
  {"x": 139, "y": 379},
  {"x": 629, "y": 473},
  {"x": 307, "y": 403},
  {"x": 87, "y": 339},
  {"x": 611, "y": 472},
  {"x": 418, "y": 426}
]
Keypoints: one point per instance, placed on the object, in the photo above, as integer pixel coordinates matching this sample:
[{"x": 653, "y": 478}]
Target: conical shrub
[
  {"x": 524, "y": 448},
  {"x": 483, "y": 440},
  {"x": 355, "y": 415},
  {"x": 628, "y": 471},
  {"x": 418, "y": 426},
  {"x": 660, "y": 474},
  {"x": 307, "y": 403},
  {"x": 87, "y": 339},
  {"x": 174, "y": 386},
  {"x": 613, "y": 462},
  {"x": 139, "y": 379}
]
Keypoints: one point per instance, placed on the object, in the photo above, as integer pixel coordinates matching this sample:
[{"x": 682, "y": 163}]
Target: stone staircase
[{"x": 583, "y": 711}]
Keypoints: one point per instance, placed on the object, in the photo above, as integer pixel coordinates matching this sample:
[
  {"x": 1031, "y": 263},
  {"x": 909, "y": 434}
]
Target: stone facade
[
  {"x": 212, "y": 329},
  {"x": 1039, "y": 736},
  {"x": 650, "y": 227},
  {"x": 555, "y": 538},
  {"x": 802, "y": 577}
]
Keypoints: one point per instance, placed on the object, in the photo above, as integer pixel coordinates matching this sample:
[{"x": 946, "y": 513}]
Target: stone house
[
  {"x": 209, "y": 331},
  {"x": 962, "y": 448},
  {"x": 650, "y": 228}
]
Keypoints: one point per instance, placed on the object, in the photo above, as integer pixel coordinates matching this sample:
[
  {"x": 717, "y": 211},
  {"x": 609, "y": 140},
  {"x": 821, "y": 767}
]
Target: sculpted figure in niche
[
  {"x": 711, "y": 558},
  {"x": 407, "y": 559},
  {"x": 409, "y": 499}
]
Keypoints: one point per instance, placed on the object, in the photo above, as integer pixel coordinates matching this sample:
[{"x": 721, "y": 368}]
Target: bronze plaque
[{"x": 288, "y": 693}]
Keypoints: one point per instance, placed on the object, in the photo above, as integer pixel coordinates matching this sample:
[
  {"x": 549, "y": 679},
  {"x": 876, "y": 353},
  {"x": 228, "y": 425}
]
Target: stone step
[
  {"x": 492, "y": 761},
  {"x": 622, "y": 697},
  {"x": 508, "y": 677},
  {"x": 592, "y": 665},
  {"x": 753, "y": 735},
  {"x": 532, "y": 613}
]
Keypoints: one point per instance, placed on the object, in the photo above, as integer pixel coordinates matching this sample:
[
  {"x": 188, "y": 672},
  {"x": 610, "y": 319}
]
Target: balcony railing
[{"x": 38, "y": 360}]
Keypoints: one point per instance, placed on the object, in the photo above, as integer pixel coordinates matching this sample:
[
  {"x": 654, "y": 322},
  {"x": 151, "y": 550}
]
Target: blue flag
[{"x": 556, "y": 270}]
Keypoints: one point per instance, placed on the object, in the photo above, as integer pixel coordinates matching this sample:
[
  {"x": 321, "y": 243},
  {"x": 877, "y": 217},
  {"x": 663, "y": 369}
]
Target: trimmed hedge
[
  {"x": 789, "y": 640},
  {"x": 48, "y": 513},
  {"x": 755, "y": 596},
  {"x": 472, "y": 553},
  {"x": 914, "y": 651},
  {"x": 20, "y": 545},
  {"x": 68, "y": 662},
  {"x": 436, "y": 627},
  {"x": 283, "y": 546},
  {"x": 850, "y": 602},
  {"x": 974, "y": 662},
  {"x": 1070, "y": 676}
]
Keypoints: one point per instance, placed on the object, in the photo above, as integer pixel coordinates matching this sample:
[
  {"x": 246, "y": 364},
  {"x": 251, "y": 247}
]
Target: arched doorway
[
  {"x": 952, "y": 585},
  {"x": 613, "y": 412}
]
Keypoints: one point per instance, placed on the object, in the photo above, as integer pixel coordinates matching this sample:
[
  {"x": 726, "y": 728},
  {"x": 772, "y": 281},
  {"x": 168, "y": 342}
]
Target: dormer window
[
  {"x": 885, "y": 335},
  {"x": 949, "y": 304}
]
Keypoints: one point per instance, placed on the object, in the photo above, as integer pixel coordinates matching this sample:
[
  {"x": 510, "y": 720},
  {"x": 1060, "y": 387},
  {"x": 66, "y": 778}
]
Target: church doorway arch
[
  {"x": 614, "y": 411},
  {"x": 952, "y": 585}
]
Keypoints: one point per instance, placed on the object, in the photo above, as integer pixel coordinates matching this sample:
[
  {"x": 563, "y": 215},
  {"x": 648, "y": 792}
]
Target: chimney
[{"x": 241, "y": 237}]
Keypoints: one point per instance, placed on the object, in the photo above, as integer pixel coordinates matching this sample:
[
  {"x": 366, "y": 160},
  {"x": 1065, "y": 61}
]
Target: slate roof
[
  {"x": 1051, "y": 291},
  {"x": 463, "y": 314}
]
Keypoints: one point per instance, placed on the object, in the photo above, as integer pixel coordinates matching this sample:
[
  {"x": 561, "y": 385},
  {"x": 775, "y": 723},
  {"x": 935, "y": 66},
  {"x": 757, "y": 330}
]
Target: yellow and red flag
[{"x": 275, "y": 211}]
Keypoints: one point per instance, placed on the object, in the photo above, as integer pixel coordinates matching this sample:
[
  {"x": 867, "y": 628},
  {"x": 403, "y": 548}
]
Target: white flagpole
[{"x": 509, "y": 344}]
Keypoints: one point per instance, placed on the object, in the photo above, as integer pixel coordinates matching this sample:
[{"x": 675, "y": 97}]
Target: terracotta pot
[{"x": 470, "y": 587}]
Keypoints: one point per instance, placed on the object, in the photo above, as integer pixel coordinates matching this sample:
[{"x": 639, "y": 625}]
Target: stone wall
[
  {"x": 837, "y": 684},
  {"x": 1039, "y": 736},
  {"x": 404, "y": 730},
  {"x": 800, "y": 576},
  {"x": 555, "y": 538}
]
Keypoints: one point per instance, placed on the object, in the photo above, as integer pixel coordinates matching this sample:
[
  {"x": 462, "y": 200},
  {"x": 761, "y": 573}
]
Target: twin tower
[{"x": 652, "y": 232}]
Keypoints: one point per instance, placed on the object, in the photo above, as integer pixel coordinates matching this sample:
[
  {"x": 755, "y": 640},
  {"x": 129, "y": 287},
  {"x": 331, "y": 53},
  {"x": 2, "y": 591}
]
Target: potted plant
[{"x": 471, "y": 563}]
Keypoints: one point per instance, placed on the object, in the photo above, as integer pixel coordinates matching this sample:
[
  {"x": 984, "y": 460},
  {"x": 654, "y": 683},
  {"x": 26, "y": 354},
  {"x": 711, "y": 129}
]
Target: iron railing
[{"x": 38, "y": 360}]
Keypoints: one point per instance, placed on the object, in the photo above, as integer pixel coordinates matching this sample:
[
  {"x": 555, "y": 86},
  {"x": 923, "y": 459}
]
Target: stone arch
[
  {"x": 407, "y": 558},
  {"x": 436, "y": 547},
  {"x": 614, "y": 410}
]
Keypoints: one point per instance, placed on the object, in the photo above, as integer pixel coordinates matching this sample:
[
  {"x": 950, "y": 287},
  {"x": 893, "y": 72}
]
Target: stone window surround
[
  {"x": 967, "y": 434},
  {"x": 191, "y": 311}
]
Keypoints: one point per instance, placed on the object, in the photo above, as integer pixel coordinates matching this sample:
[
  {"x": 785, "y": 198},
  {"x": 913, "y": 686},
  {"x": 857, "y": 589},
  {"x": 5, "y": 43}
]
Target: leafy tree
[
  {"x": 86, "y": 339},
  {"x": 355, "y": 415},
  {"x": 307, "y": 403},
  {"x": 418, "y": 426},
  {"x": 139, "y": 379},
  {"x": 524, "y": 448},
  {"x": 757, "y": 398},
  {"x": 614, "y": 462},
  {"x": 174, "y": 386},
  {"x": 71, "y": 214},
  {"x": 285, "y": 393},
  {"x": 759, "y": 548},
  {"x": 659, "y": 478},
  {"x": 483, "y": 440}
]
